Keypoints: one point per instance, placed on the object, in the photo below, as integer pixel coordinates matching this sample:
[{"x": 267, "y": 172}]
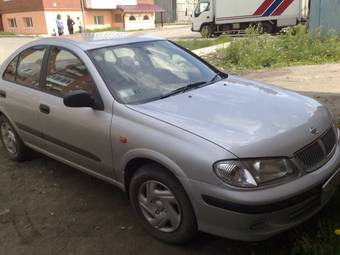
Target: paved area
[
  {"x": 10, "y": 44},
  {"x": 174, "y": 32}
]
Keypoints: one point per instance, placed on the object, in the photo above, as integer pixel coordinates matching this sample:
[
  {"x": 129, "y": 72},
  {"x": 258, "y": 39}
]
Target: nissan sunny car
[{"x": 195, "y": 149}]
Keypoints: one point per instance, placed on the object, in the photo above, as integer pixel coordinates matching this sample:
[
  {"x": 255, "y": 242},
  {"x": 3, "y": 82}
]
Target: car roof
[{"x": 89, "y": 41}]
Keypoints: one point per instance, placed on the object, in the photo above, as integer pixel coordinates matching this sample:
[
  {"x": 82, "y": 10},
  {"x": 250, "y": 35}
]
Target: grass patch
[
  {"x": 314, "y": 237},
  {"x": 296, "y": 47},
  {"x": 202, "y": 43},
  {"x": 6, "y": 33}
]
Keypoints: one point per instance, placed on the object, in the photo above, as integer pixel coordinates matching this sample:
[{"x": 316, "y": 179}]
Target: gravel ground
[{"x": 49, "y": 208}]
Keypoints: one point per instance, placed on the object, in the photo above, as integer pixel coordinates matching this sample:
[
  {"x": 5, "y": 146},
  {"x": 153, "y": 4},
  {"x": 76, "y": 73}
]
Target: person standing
[
  {"x": 81, "y": 28},
  {"x": 70, "y": 24},
  {"x": 60, "y": 25}
]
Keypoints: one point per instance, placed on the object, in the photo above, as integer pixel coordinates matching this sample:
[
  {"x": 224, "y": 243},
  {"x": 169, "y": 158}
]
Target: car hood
[{"x": 247, "y": 118}]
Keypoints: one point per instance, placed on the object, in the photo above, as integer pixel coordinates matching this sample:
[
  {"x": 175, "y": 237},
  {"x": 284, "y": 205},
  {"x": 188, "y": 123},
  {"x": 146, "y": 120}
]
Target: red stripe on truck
[
  {"x": 279, "y": 10},
  {"x": 263, "y": 7}
]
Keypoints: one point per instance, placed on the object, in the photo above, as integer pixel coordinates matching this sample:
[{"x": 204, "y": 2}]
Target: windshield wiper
[
  {"x": 185, "y": 88},
  {"x": 215, "y": 78}
]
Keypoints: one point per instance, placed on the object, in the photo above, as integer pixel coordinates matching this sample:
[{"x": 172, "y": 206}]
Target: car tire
[
  {"x": 166, "y": 213},
  {"x": 11, "y": 141},
  {"x": 206, "y": 31}
]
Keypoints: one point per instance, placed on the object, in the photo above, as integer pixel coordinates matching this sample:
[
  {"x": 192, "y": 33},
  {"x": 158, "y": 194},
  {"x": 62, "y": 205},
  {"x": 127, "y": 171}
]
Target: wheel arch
[
  {"x": 206, "y": 23},
  {"x": 4, "y": 114},
  {"x": 135, "y": 159}
]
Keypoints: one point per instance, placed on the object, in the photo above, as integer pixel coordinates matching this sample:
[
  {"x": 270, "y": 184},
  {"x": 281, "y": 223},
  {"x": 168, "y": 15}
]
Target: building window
[
  {"x": 146, "y": 17},
  {"x": 132, "y": 18},
  {"x": 118, "y": 18},
  {"x": 12, "y": 23},
  {"x": 28, "y": 22},
  {"x": 99, "y": 20}
]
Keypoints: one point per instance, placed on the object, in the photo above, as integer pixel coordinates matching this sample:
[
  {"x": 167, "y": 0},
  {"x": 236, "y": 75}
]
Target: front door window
[{"x": 202, "y": 7}]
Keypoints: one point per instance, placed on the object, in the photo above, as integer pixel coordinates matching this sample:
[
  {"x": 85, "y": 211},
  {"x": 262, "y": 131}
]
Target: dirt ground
[
  {"x": 319, "y": 81},
  {"x": 49, "y": 208}
]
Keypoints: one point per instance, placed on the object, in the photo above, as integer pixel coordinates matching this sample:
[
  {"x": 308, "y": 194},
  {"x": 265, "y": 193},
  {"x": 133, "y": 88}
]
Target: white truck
[{"x": 213, "y": 17}]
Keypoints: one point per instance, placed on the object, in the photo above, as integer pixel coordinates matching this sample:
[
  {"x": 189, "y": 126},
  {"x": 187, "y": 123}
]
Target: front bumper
[{"x": 259, "y": 214}]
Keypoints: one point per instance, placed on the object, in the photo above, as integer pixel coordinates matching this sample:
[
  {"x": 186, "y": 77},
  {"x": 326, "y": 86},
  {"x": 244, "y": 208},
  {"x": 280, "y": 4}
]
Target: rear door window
[{"x": 29, "y": 67}]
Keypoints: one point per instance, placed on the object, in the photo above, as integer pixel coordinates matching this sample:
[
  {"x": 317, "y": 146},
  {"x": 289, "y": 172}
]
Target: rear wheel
[
  {"x": 12, "y": 143},
  {"x": 268, "y": 27},
  {"x": 161, "y": 205}
]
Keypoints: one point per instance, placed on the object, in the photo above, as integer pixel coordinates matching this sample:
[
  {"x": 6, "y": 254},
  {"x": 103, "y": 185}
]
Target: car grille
[{"x": 317, "y": 153}]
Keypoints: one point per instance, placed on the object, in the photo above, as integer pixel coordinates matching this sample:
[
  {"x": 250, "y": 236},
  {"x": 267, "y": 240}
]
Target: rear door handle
[
  {"x": 44, "y": 109},
  {"x": 3, "y": 93}
]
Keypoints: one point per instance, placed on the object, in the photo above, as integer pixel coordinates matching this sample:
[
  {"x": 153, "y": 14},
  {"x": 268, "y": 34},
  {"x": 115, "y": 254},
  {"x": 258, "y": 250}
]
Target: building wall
[
  {"x": 51, "y": 16},
  {"x": 61, "y": 5},
  {"x": 169, "y": 14},
  {"x": 115, "y": 24},
  {"x": 38, "y": 18},
  {"x": 139, "y": 23},
  {"x": 145, "y": 1},
  {"x": 16, "y": 6},
  {"x": 107, "y": 4},
  {"x": 89, "y": 18},
  {"x": 185, "y": 8},
  {"x": 1, "y": 26}
]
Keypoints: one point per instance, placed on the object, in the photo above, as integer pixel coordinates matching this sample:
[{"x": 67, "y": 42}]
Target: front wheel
[
  {"x": 161, "y": 205},
  {"x": 207, "y": 31}
]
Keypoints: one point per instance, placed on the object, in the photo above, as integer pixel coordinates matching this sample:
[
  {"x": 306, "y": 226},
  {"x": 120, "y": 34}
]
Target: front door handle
[
  {"x": 208, "y": 17},
  {"x": 3, "y": 93},
  {"x": 44, "y": 109}
]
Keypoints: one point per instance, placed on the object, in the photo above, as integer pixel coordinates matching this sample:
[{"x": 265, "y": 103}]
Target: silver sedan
[{"x": 194, "y": 148}]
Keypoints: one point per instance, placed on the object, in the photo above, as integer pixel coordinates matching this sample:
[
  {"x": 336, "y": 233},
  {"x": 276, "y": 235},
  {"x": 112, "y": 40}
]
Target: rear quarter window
[{"x": 9, "y": 74}]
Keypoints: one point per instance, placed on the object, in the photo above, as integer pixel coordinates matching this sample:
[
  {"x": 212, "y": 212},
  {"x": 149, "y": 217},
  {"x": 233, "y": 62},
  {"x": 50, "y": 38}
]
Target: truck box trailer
[{"x": 218, "y": 16}]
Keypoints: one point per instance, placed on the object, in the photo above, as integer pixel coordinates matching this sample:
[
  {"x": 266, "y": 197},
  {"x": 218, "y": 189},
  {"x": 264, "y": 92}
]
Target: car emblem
[{"x": 314, "y": 131}]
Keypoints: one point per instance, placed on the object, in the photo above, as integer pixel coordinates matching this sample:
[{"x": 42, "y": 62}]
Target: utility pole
[{"x": 82, "y": 12}]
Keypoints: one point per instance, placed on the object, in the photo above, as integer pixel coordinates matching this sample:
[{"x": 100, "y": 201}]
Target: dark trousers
[{"x": 70, "y": 30}]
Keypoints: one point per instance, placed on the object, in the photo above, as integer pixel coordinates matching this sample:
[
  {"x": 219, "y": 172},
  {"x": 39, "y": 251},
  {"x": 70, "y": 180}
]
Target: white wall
[
  {"x": 51, "y": 17},
  {"x": 108, "y": 4},
  {"x": 139, "y": 23},
  {"x": 185, "y": 7}
]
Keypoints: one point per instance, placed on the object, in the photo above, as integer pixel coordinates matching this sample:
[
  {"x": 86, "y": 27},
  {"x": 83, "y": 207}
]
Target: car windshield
[{"x": 146, "y": 71}]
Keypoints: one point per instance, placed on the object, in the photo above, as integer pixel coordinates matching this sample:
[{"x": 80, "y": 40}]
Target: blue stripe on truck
[{"x": 272, "y": 8}]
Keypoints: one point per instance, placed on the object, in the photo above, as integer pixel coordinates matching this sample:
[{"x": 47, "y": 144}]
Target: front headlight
[{"x": 254, "y": 172}]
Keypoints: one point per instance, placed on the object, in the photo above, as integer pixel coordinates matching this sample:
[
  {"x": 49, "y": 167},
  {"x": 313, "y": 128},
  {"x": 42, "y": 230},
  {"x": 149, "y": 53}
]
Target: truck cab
[{"x": 203, "y": 16}]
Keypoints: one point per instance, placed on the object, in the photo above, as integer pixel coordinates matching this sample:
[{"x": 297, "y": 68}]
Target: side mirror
[{"x": 79, "y": 98}]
